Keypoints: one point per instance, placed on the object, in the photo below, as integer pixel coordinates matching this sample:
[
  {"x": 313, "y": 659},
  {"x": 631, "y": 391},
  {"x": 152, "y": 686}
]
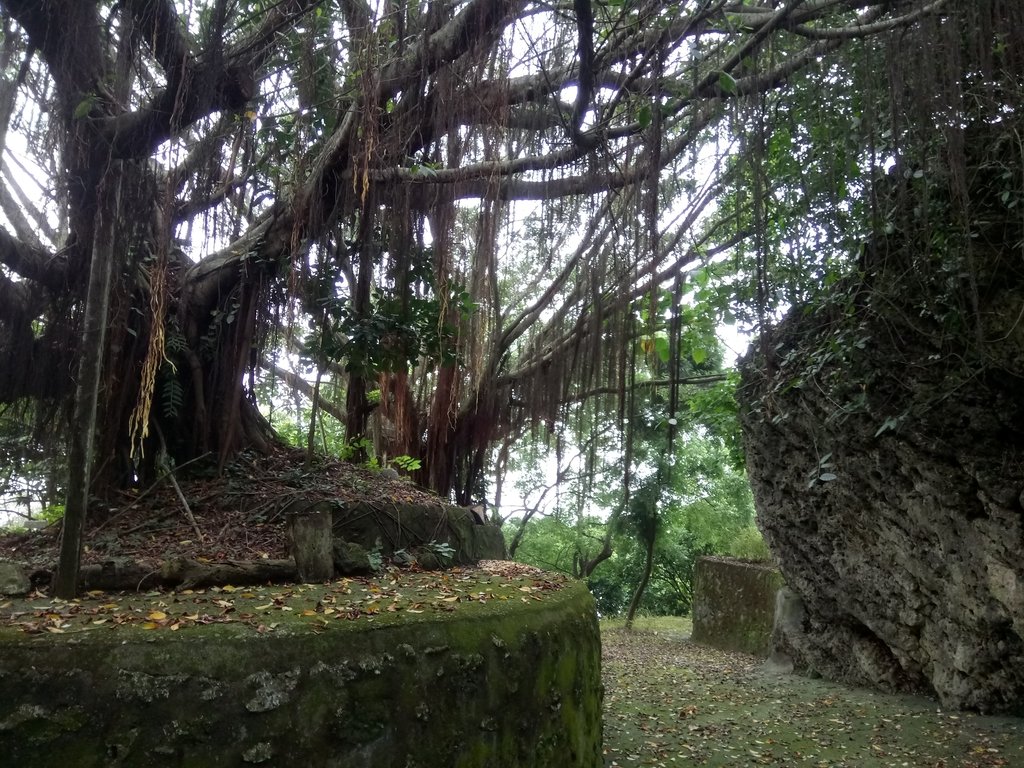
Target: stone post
[{"x": 310, "y": 535}]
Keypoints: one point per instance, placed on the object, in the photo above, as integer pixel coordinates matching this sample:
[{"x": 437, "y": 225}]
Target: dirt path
[{"x": 669, "y": 702}]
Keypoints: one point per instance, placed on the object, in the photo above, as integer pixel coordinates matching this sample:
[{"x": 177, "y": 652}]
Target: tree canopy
[{"x": 472, "y": 218}]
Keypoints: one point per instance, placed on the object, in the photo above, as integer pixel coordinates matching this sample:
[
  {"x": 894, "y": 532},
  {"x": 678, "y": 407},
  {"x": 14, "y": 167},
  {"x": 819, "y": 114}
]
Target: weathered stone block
[
  {"x": 734, "y": 604},
  {"x": 13, "y": 579},
  {"x": 351, "y": 559}
]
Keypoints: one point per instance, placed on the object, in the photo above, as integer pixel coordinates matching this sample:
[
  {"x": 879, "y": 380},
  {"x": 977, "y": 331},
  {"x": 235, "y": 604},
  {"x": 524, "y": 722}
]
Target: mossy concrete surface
[
  {"x": 391, "y": 527},
  {"x": 503, "y": 683},
  {"x": 734, "y": 604}
]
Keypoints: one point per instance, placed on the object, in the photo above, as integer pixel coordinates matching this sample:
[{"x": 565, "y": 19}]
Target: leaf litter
[
  {"x": 671, "y": 702},
  {"x": 392, "y": 592},
  {"x": 238, "y": 512}
]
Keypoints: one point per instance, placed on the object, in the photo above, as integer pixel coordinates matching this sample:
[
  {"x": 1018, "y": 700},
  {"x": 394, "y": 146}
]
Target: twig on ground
[
  {"x": 164, "y": 466},
  {"x": 145, "y": 493},
  {"x": 184, "y": 504}
]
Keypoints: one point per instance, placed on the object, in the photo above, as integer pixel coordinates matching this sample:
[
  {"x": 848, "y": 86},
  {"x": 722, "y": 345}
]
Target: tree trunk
[
  {"x": 356, "y": 406},
  {"x": 517, "y": 538},
  {"x": 584, "y": 567},
  {"x": 438, "y": 459},
  {"x": 645, "y": 579},
  {"x": 202, "y": 400},
  {"x": 90, "y": 370}
]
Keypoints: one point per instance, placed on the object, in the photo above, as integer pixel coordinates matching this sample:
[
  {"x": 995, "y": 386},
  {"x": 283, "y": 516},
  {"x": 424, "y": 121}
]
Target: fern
[
  {"x": 172, "y": 396},
  {"x": 174, "y": 341}
]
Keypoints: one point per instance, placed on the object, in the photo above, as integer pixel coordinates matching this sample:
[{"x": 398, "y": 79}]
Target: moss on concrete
[
  {"x": 501, "y": 683},
  {"x": 734, "y": 604},
  {"x": 393, "y": 527}
]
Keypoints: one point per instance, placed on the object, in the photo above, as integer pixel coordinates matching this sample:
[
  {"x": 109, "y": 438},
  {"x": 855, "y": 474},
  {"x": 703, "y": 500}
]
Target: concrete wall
[
  {"x": 506, "y": 684},
  {"x": 734, "y": 604}
]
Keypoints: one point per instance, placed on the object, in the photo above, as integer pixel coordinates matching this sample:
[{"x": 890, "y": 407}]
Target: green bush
[{"x": 749, "y": 544}]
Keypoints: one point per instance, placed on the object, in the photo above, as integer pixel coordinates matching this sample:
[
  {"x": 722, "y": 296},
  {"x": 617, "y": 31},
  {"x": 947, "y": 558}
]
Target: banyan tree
[{"x": 454, "y": 209}]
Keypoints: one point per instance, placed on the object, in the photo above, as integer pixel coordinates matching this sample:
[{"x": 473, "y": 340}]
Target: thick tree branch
[
  {"x": 274, "y": 234},
  {"x": 13, "y": 209},
  {"x": 163, "y": 32},
  {"x": 638, "y": 386},
  {"x": 201, "y": 90},
  {"x": 585, "y": 88},
  {"x": 867, "y": 27},
  {"x": 483, "y": 170},
  {"x": 32, "y": 263},
  {"x": 479, "y": 24},
  {"x": 67, "y": 34},
  {"x": 15, "y": 300},
  {"x": 202, "y": 85},
  {"x": 296, "y": 382}
]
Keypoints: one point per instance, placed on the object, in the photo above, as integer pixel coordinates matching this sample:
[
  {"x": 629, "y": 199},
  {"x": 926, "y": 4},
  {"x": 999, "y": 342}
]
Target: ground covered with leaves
[
  {"x": 208, "y": 515},
  {"x": 670, "y": 702}
]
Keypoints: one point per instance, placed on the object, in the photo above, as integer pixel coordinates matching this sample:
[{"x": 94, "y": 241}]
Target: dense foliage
[{"x": 703, "y": 506}]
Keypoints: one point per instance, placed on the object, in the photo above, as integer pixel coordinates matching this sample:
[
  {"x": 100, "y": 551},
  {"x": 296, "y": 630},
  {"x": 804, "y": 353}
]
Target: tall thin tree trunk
[
  {"x": 356, "y": 407},
  {"x": 90, "y": 370},
  {"x": 645, "y": 579},
  {"x": 584, "y": 567},
  {"x": 517, "y": 539},
  {"x": 314, "y": 409}
]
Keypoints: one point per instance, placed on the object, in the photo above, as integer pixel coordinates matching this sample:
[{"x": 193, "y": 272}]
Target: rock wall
[
  {"x": 884, "y": 428},
  {"x": 495, "y": 685},
  {"x": 734, "y": 604}
]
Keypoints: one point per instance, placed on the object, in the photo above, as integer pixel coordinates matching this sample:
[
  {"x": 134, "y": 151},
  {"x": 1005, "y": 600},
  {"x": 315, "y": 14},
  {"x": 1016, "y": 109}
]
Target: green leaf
[
  {"x": 644, "y": 115},
  {"x": 661, "y": 347},
  {"x": 699, "y": 355},
  {"x": 889, "y": 423},
  {"x": 85, "y": 106},
  {"x": 727, "y": 83}
]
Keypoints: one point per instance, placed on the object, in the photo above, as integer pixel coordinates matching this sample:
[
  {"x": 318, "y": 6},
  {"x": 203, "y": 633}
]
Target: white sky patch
[{"x": 735, "y": 342}]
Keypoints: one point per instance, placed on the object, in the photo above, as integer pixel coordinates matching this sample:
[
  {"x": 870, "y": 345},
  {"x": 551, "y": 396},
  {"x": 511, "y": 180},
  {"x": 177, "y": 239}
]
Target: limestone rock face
[{"x": 885, "y": 440}]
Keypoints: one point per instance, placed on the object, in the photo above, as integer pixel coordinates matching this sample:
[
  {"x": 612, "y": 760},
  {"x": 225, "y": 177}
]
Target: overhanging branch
[
  {"x": 637, "y": 386},
  {"x": 296, "y": 382},
  {"x": 32, "y": 263}
]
